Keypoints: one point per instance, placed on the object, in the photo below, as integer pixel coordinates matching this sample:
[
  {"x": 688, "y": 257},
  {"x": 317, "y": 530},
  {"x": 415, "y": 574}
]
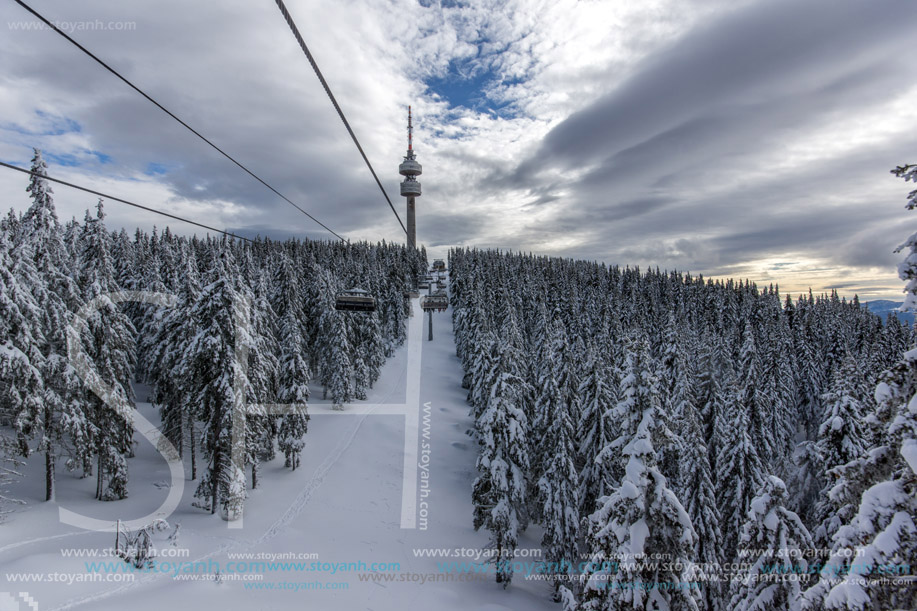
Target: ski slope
[{"x": 336, "y": 515}]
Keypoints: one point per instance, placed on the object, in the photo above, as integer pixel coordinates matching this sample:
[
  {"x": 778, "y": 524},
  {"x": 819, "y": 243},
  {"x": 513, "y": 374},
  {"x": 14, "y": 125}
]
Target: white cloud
[{"x": 234, "y": 71}]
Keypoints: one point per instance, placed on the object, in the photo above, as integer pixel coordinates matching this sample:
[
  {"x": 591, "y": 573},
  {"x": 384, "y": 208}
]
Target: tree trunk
[
  {"x": 49, "y": 473},
  {"x": 215, "y": 481},
  {"x": 193, "y": 452},
  {"x": 99, "y": 478}
]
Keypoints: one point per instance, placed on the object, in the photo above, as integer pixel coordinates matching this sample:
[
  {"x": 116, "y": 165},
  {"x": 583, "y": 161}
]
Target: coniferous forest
[
  {"x": 185, "y": 352},
  {"x": 666, "y": 429}
]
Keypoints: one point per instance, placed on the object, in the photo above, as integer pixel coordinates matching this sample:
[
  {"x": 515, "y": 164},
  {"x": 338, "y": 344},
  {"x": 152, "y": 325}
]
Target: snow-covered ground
[{"x": 340, "y": 509}]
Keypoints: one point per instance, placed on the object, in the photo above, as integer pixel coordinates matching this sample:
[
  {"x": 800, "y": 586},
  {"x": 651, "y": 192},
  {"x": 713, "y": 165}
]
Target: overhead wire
[
  {"x": 124, "y": 201},
  {"x": 171, "y": 114},
  {"x": 334, "y": 102}
]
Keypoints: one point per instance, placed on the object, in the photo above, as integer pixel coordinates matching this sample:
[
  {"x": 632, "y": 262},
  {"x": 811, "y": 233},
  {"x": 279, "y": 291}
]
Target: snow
[
  {"x": 912, "y": 405},
  {"x": 343, "y": 504},
  {"x": 883, "y": 392},
  {"x": 909, "y": 452},
  {"x": 639, "y": 532},
  {"x": 848, "y": 594}
]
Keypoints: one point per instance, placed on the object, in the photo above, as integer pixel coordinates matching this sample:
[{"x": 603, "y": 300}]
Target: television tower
[{"x": 410, "y": 187}]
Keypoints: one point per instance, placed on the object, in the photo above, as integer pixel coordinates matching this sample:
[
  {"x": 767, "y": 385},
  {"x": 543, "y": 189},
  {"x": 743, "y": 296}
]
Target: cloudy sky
[{"x": 734, "y": 138}]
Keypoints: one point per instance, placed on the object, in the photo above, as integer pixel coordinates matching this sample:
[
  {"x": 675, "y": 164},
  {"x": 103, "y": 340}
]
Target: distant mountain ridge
[{"x": 883, "y": 306}]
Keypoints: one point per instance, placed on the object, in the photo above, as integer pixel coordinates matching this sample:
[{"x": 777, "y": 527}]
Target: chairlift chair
[
  {"x": 438, "y": 302},
  {"x": 355, "y": 300}
]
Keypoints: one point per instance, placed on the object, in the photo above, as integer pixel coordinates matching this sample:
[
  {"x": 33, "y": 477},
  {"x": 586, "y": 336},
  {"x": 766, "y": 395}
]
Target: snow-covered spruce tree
[
  {"x": 52, "y": 286},
  {"x": 739, "y": 472},
  {"x": 482, "y": 366},
  {"x": 641, "y": 516},
  {"x": 499, "y": 492},
  {"x": 549, "y": 406},
  {"x": 262, "y": 375},
  {"x": 147, "y": 318},
  {"x": 779, "y": 378},
  {"x": 10, "y": 463},
  {"x": 753, "y": 398},
  {"x": 214, "y": 365},
  {"x": 597, "y": 395},
  {"x": 880, "y": 487},
  {"x": 293, "y": 374},
  {"x": 680, "y": 404},
  {"x": 907, "y": 269},
  {"x": 715, "y": 375},
  {"x": 21, "y": 360},
  {"x": 698, "y": 495},
  {"x": 369, "y": 346},
  {"x": 171, "y": 371},
  {"x": 109, "y": 342},
  {"x": 340, "y": 379},
  {"x": 841, "y": 439},
  {"x": 558, "y": 486},
  {"x": 773, "y": 545},
  {"x": 638, "y": 394}
]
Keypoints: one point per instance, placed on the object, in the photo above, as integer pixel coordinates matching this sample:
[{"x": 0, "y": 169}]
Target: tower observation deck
[{"x": 410, "y": 186}]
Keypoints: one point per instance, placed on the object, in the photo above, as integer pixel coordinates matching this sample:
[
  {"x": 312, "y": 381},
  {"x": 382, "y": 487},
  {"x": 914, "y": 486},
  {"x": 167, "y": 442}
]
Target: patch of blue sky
[
  {"x": 71, "y": 160},
  {"x": 57, "y": 125},
  {"x": 443, "y": 3},
  {"x": 46, "y": 125},
  {"x": 467, "y": 84},
  {"x": 67, "y": 160},
  {"x": 102, "y": 157},
  {"x": 158, "y": 169}
]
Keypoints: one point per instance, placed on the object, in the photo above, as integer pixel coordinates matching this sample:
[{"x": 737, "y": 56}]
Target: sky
[{"x": 730, "y": 138}]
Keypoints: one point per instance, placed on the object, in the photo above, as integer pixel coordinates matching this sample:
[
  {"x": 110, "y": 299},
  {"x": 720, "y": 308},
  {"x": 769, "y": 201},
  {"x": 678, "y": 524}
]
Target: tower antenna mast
[{"x": 410, "y": 187}]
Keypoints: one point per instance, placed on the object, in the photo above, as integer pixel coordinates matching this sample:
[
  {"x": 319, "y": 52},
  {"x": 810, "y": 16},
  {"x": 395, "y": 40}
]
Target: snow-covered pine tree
[
  {"x": 907, "y": 269},
  {"x": 482, "y": 365},
  {"x": 594, "y": 432},
  {"x": 109, "y": 342},
  {"x": 638, "y": 394},
  {"x": 698, "y": 494},
  {"x": 262, "y": 375},
  {"x": 214, "y": 366},
  {"x": 739, "y": 471},
  {"x": 753, "y": 398},
  {"x": 293, "y": 374},
  {"x": 499, "y": 492},
  {"x": 642, "y": 516},
  {"x": 52, "y": 286},
  {"x": 558, "y": 484},
  {"x": 21, "y": 360},
  {"x": 841, "y": 439},
  {"x": 171, "y": 369},
  {"x": 773, "y": 547},
  {"x": 340, "y": 379}
]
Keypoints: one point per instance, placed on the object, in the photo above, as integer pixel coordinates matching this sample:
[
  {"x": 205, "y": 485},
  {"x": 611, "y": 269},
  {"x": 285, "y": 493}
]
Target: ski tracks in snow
[{"x": 279, "y": 525}]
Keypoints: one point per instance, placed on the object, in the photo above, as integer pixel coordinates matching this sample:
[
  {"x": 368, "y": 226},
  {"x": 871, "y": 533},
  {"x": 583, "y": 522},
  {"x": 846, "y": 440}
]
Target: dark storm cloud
[
  {"x": 766, "y": 53},
  {"x": 220, "y": 71}
]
